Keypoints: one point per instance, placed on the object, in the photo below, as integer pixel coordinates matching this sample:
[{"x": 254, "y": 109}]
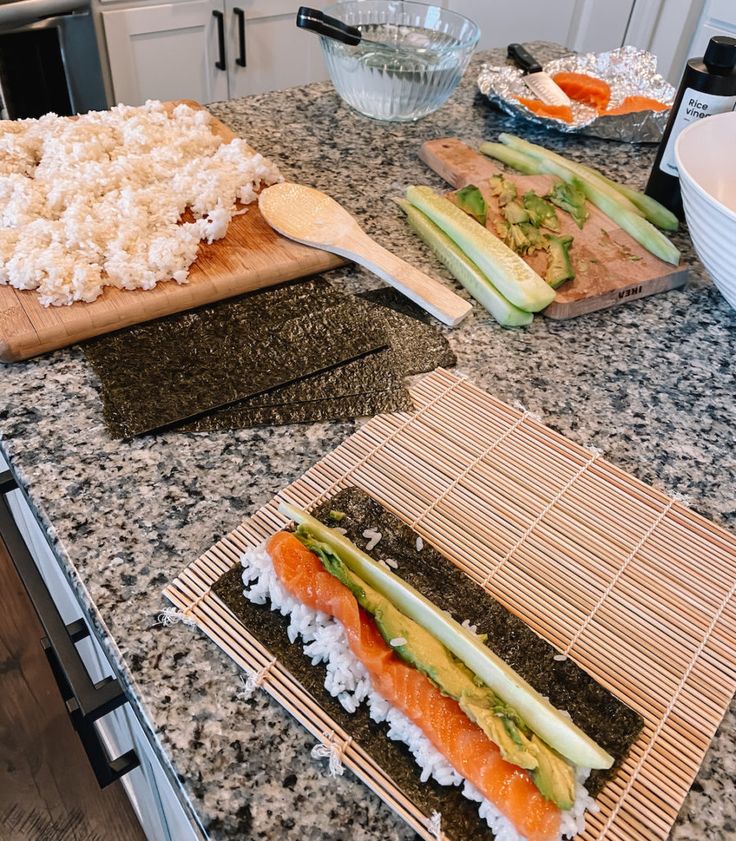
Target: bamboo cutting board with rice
[
  {"x": 633, "y": 586},
  {"x": 250, "y": 256},
  {"x": 611, "y": 268}
]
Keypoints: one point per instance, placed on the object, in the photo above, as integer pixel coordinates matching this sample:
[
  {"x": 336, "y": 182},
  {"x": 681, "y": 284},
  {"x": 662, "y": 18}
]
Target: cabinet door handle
[
  {"x": 220, "y": 18},
  {"x": 85, "y": 701},
  {"x": 240, "y": 15}
]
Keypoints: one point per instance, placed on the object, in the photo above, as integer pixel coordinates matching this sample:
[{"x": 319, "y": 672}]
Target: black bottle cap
[{"x": 720, "y": 53}]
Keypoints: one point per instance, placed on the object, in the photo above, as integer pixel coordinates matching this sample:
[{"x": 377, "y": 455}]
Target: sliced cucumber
[
  {"x": 464, "y": 270},
  {"x": 512, "y": 157},
  {"x": 516, "y": 281},
  {"x": 605, "y": 198},
  {"x": 555, "y": 164},
  {"x": 547, "y": 722},
  {"x": 655, "y": 212}
]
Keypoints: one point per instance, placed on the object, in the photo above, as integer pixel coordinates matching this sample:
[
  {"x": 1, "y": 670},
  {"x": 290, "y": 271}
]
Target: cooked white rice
[
  {"x": 373, "y": 537},
  {"x": 347, "y": 680},
  {"x": 97, "y": 200}
]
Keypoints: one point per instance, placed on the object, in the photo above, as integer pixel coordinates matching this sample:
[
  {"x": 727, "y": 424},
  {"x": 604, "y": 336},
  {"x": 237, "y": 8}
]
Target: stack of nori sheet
[
  {"x": 606, "y": 719},
  {"x": 300, "y": 352}
]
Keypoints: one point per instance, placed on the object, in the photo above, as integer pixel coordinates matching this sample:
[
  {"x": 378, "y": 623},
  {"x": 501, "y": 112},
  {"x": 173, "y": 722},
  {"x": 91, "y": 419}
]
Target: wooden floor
[{"x": 47, "y": 789}]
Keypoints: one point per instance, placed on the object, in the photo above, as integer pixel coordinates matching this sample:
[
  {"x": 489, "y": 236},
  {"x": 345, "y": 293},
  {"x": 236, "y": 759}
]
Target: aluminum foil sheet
[{"x": 628, "y": 70}]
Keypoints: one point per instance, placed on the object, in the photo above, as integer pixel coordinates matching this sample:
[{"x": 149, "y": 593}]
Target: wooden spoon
[{"x": 313, "y": 218}]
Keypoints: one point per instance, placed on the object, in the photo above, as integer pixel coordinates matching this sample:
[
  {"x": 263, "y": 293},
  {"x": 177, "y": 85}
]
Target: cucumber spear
[
  {"x": 655, "y": 212},
  {"x": 464, "y": 270},
  {"x": 511, "y": 276}
]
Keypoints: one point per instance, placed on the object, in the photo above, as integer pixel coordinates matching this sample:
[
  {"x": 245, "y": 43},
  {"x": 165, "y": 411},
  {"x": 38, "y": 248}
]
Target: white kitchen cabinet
[
  {"x": 277, "y": 54},
  {"x": 171, "y": 51},
  {"x": 582, "y": 25},
  {"x": 168, "y": 51},
  {"x": 718, "y": 18}
]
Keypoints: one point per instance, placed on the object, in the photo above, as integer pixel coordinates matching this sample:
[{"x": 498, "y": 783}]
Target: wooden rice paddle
[{"x": 313, "y": 218}]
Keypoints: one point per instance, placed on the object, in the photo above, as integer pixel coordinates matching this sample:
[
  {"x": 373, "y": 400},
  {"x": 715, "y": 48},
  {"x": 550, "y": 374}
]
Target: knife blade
[{"x": 539, "y": 83}]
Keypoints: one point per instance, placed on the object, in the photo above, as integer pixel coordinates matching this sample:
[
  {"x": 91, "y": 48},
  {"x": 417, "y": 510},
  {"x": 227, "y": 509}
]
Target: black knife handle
[
  {"x": 524, "y": 59},
  {"x": 220, "y": 18},
  {"x": 316, "y": 21},
  {"x": 240, "y": 15}
]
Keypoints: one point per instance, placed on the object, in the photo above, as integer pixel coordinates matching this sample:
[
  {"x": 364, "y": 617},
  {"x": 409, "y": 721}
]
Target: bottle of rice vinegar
[{"x": 708, "y": 87}]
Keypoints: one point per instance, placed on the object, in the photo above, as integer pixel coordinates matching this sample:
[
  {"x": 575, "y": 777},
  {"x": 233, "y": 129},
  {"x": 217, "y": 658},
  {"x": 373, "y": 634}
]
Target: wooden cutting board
[
  {"x": 611, "y": 268},
  {"x": 251, "y": 256}
]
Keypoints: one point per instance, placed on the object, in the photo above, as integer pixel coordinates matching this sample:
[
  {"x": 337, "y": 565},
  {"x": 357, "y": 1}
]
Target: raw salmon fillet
[
  {"x": 637, "y": 103},
  {"x": 584, "y": 88},
  {"x": 440, "y": 718},
  {"x": 557, "y": 112}
]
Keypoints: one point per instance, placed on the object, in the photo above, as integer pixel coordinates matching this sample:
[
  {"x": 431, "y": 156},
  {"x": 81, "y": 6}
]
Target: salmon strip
[
  {"x": 558, "y": 112},
  {"x": 586, "y": 89},
  {"x": 637, "y": 103},
  {"x": 440, "y": 718}
]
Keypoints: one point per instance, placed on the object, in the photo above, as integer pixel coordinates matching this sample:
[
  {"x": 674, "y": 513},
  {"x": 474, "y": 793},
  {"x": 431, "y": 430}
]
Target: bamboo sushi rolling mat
[{"x": 631, "y": 584}]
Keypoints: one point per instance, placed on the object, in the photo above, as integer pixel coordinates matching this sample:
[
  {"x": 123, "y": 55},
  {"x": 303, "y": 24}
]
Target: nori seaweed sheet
[
  {"x": 180, "y": 366},
  {"x": 387, "y": 296},
  {"x": 366, "y": 386},
  {"x": 309, "y": 411},
  {"x": 606, "y": 719}
]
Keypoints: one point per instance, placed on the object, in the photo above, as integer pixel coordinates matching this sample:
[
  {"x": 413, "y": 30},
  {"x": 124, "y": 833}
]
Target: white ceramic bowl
[{"x": 706, "y": 159}]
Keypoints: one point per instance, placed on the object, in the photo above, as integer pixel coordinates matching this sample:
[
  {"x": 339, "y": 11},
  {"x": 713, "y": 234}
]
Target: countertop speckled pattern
[{"x": 649, "y": 383}]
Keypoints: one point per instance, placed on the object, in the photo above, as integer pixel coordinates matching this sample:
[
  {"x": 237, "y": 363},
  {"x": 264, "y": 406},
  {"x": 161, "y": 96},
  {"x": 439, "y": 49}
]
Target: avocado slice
[
  {"x": 553, "y": 776},
  {"x": 570, "y": 196},
  {"x": 470, "y": 199},
  {"x": 541, "y": 213},
  {"x": 551, "y": 773},
  {"x": 535, "y": 238},
  {"x": 514, "y": 213},
  {"x": 559, "y": 267},
  {"x": 503, "y": 189}
]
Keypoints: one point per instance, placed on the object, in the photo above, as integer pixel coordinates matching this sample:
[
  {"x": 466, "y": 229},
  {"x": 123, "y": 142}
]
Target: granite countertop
[{"x": 649, "y": 383}]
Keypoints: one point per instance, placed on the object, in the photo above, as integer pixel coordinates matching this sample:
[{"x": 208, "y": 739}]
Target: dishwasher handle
[
  {"x": 106, "y": 770},
  {"x": 85, "y": 701}
]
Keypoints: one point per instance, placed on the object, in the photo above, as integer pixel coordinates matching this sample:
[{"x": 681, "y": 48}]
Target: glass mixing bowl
[{"x": 420, "y": 58}]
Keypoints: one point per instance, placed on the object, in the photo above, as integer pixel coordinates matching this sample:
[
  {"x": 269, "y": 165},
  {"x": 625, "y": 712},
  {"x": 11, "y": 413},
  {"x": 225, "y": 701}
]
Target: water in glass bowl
[{"x": 406, "y": 73}]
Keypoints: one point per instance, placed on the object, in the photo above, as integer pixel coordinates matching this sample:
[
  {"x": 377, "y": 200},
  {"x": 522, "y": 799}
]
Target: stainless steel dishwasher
[{"x": 49, "y": 59}]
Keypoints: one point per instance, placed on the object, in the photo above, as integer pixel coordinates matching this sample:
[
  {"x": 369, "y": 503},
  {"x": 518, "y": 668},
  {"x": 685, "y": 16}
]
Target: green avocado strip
[
  {"x": 554, "y": 777},
  {"x": 470, "y": 199}
]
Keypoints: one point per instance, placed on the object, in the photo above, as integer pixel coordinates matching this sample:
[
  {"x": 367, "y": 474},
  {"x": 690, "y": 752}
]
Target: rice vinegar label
[{"x": 695, "y": 105}]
